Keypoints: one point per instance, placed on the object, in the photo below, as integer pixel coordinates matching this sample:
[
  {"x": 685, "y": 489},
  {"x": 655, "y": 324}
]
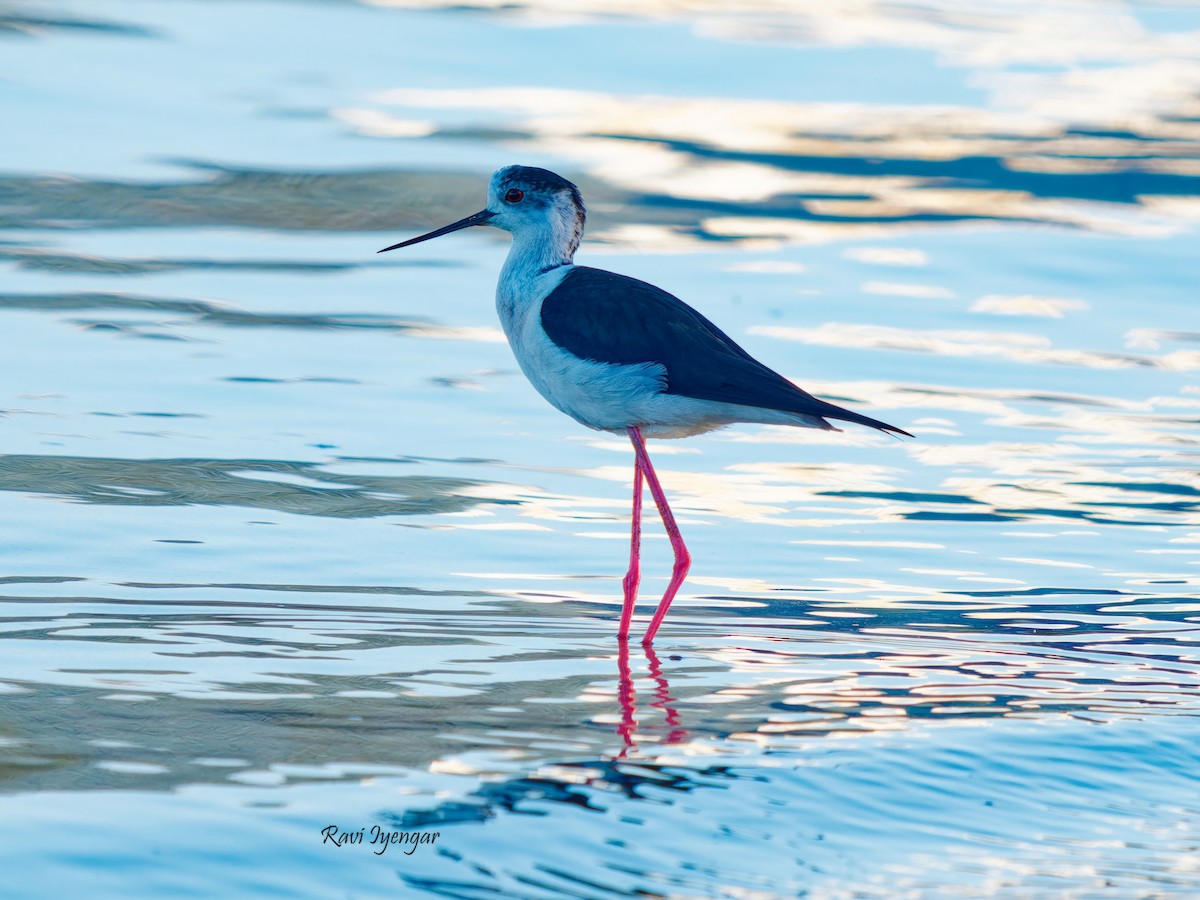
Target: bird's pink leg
[
  {"x": 683, "y": 559},
  {"x": 634, "y": 575}
]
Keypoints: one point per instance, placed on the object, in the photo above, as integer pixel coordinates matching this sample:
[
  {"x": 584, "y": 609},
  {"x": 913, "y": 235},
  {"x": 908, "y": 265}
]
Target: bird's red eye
[{"x": 514, "y": 195}]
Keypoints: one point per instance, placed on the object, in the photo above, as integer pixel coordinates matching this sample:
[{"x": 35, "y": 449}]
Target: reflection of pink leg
[
  {"x": 627, "y": 698},
  {"x": 663, "y": 699},
  {"x": 634, "y": 575},
  {"x": 683, "y": 559}
]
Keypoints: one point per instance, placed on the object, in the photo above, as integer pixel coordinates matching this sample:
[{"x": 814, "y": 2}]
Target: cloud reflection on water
[
  {"x": 1013, "y": 346},
  {"x": 810, "y": 172}
]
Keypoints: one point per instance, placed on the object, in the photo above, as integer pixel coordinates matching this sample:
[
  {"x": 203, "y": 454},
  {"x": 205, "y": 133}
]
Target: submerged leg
[
  {"x": 634, "y": 575},
  {"x": 683, "y": 559}
]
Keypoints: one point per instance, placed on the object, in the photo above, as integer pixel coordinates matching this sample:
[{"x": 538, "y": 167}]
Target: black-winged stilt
[{"x": 621, "y": 355}]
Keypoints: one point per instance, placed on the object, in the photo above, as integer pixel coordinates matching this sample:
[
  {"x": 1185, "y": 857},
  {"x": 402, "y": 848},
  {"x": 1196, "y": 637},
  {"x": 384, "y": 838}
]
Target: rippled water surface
[{"x": 288, "y": 543}]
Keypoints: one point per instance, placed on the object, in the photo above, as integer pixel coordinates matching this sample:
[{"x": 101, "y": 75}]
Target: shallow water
[{"x": 288, "y": 542}]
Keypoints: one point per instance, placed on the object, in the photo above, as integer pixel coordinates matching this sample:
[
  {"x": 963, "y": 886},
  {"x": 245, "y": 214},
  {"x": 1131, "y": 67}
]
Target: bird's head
[
  {"x": 526, "y": 201},
  {"x": 527, "y": 198}
]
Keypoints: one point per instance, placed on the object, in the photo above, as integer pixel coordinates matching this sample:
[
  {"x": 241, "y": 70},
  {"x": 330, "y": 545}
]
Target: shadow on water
[
  {"x": 285, "y": 201},
  {"x": 22, "y": 23},
  {"x": 253, "y": 483},
  {"x": 65, "y": 263},
  {"x": 204, "y": 311}
]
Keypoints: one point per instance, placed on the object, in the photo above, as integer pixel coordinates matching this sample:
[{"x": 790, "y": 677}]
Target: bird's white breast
[{"x": 600, "y": 395}]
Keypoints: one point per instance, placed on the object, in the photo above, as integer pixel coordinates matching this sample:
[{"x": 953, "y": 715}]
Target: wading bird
[{"x": 620, "y": 355}]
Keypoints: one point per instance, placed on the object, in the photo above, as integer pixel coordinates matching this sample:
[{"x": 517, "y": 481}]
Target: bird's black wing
[{"x": 612, "y": 318}]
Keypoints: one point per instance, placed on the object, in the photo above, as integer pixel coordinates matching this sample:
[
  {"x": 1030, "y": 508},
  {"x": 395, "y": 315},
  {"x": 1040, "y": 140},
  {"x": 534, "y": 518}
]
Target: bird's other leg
[
  {"x": 634, "y": 575},
  {"x": 683, "y": 559}
]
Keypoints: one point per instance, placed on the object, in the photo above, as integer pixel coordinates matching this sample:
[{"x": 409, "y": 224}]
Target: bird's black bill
[{"x": 480, "y": 218}]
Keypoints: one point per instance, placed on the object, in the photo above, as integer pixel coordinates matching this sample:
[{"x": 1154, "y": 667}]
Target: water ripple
[{"x": 966, "y": 665}]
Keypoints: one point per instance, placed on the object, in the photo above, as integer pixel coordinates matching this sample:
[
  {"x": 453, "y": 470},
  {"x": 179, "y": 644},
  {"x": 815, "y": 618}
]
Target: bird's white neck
[{"x": 537, "y": 250}]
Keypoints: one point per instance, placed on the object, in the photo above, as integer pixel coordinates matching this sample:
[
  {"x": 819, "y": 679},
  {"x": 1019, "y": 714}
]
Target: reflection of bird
[
  {"x": 621, "y": 355},
  {"x": 627, "y": 698}
]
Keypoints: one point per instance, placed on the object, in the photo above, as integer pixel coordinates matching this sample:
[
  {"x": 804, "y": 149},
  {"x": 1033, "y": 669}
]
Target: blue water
[{"x": 288, "y": 542}]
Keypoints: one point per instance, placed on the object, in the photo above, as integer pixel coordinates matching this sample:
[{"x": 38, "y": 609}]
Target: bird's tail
[{"x": 832, "y": 411}]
